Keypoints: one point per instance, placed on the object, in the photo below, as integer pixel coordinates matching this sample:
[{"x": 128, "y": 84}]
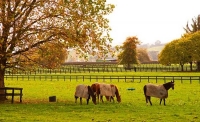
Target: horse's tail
[
  {"x": 145, "y": 89},
  {"x": 117, "y": 91}
]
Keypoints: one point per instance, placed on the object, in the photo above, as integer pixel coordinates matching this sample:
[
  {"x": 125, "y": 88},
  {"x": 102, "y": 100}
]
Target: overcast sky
[{"x": 151, "y": 20}]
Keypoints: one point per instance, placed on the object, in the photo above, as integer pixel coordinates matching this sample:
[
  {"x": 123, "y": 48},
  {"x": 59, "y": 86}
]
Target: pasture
[{"x": 183, "y": 103}]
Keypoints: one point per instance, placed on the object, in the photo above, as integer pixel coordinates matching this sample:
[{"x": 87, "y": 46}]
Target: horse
[
  {"x": 158, "y": 91},
  {"x": 107, "y": 90},
  {"x": 84, "y": 91}
]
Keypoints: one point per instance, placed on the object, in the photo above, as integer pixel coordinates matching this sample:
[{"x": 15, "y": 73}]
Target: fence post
[
  {"x": 156, "y": 79},
  {"x": 164, "y": 80},
  {"x": 181, "y": 80},
  {"x": 118, "y": 79}
]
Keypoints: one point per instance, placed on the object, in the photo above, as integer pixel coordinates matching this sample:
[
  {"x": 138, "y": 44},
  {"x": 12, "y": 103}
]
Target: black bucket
[{"x": 52, "y": 99}]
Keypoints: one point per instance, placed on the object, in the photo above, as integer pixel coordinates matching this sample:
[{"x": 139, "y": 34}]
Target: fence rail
[
  {"x": 96, "y": 69},
  {"x": 97, "y": 78}
]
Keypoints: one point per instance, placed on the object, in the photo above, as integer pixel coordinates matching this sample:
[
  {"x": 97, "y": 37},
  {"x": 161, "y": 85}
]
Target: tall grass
[{"x": 183, "y": 103}]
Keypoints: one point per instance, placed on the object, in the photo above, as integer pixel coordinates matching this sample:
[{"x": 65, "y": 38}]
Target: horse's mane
[
  {"x": 93, "y": 87},
  {"x": 168, "y": 85}
]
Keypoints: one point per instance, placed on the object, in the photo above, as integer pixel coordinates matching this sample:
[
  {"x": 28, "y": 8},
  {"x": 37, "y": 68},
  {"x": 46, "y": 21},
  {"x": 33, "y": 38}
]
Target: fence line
[
  {"x": 97, "y": 78},
  {"x": 96, "y": 69}
]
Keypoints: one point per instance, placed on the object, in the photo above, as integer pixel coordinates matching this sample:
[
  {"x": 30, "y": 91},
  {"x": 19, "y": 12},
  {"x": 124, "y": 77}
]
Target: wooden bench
[{"x": 11, "y": 91}]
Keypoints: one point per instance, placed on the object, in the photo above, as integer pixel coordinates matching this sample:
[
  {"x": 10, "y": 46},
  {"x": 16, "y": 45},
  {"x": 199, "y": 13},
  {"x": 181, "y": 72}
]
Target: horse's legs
[
  {"x": 88, "y": 100},
  {"x": 101, "y": 98},
  {"x": 98, "y": 97},
  {"x": 112, "y": 98},
  {"x": 108, "y": 98},
  {"x": 149, "y": 100},
  {"x": 81, "y": 100},
  {"x": 98, "y": 94},
  {"x": 146, "y": 99},
  {"x": 164, "y": 101},
  {"x": 160, "y": 101},
  {"x": 75, "y": 99}
]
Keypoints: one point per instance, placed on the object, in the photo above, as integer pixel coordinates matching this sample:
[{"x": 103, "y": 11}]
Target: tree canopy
[
  {"x": 129, "y": 55},
  {"x": 182, "y": 50},
  {"x": 30, "y": 29},
  {"x": 185, "y": 49}
]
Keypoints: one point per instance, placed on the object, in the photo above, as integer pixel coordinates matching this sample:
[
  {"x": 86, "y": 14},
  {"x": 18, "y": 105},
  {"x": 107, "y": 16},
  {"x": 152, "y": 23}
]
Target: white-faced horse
[{"x": 159, "y": 91}]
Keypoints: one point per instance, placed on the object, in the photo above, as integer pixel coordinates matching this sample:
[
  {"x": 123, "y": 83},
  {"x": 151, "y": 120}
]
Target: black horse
[{"x": 159, "y": 91}]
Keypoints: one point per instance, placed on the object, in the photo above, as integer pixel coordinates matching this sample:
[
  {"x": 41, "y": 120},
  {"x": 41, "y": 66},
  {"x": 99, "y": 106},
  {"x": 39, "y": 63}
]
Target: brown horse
[
  {"x": 159, "y": 91},
  {"x": 84, "y": 91},
  {"x": 107, "y": 90}
]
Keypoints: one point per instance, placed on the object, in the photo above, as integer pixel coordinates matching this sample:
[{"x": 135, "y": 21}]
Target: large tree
[
  {"x": 28, "y": 27},
  {"x": 183, "y": 50},
  {"x": 194, "y": 27},
  {"x": 168, "y": 54},
  {"x": 128, "y": 55}
]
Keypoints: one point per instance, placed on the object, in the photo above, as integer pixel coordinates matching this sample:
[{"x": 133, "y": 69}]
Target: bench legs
[{"x": 20, "y": 99}]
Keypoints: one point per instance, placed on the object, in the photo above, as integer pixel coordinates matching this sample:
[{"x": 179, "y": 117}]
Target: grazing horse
[
  {"x": 159, "y": 91},
  {"x": 84, "y": 91},
  {"x": 107, "y": 90}
]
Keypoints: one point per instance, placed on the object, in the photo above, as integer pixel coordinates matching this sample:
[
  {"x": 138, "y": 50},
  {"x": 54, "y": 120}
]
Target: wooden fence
[
  {"x": 93, "y": 70},
  {"x": 96, "y": 78}
]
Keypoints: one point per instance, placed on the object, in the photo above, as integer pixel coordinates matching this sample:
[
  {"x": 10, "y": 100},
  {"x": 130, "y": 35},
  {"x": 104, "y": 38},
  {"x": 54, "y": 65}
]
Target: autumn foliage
[
  {"x": 128, "y": 55},
  {"x": 38, "y": 32}
]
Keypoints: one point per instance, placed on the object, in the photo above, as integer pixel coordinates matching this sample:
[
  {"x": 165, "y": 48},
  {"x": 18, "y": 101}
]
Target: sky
[{"x": 151, "y": 20}]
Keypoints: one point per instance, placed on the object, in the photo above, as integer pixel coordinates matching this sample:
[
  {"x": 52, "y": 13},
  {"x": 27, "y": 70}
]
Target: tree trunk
[
  {"x": 2, "y": 85},
  {"x": 129, "y": 66},
  {"x": 190, "y": 66},
  {"x": 198, "y": 66},
  {"x": 182, "y": 67}
]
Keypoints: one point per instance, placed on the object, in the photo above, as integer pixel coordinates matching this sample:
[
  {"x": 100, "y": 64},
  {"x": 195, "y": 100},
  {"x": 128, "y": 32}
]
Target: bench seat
[{"x": 12, "y": 91}]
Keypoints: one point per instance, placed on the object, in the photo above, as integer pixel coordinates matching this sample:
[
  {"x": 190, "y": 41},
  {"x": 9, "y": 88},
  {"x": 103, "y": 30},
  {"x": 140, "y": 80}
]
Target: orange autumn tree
[
  {"x": 128, "y": 55},
  {"x": 49, "y": 55},
  {"x": 30, "y": 29}
]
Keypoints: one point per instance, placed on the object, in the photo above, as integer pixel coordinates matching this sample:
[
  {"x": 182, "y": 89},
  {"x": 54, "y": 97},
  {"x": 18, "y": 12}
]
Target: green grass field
[{"x": 183, "y": 103}]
